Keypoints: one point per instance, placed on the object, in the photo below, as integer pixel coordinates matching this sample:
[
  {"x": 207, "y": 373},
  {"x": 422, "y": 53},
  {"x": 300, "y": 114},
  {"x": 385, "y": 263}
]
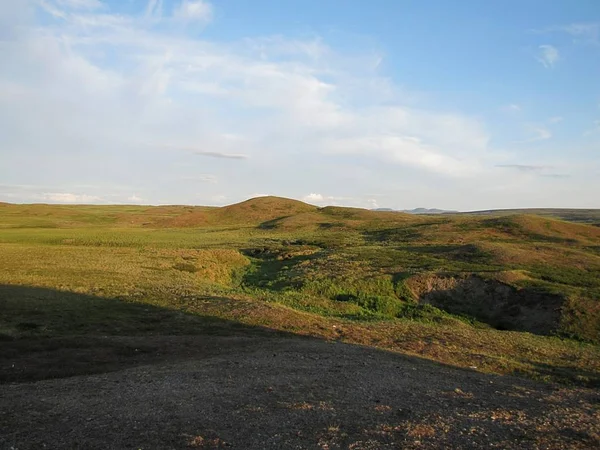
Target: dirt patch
[
  {"x": 292, "y": 393},
  {"x": 491, "y": 301}
]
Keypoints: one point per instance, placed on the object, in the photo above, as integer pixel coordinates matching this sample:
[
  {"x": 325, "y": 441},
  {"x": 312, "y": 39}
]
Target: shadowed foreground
[
  {"x": 80, "y": 371},
  {"x": 272, "y": 392}
]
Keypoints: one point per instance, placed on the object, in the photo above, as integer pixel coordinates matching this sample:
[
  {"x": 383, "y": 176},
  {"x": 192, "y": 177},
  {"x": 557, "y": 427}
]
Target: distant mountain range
[{"x": 418, "y": 210}]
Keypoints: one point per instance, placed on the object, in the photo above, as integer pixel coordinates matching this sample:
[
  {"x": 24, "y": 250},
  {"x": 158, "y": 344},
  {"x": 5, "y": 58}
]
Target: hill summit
[{"x": 261, "y": 209}]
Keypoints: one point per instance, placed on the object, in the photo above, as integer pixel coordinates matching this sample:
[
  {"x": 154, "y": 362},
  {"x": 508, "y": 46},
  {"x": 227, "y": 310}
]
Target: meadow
[{"x": 505, "y": 293}]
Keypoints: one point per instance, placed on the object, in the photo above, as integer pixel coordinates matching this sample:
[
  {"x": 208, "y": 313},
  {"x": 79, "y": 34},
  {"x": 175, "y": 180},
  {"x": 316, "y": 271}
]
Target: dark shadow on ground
[
  {"x": 582, "y": 377},
  {"x": 404, "y": 234},
  {"x": 46, "y": 333},
  {"x": 197, "y": 381},
  {"x": 271, "y": 268},
  {"x": 273, "y": 223}
]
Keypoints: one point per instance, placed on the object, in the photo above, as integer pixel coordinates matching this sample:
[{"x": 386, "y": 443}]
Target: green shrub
[{"x": 384, "y": 305}]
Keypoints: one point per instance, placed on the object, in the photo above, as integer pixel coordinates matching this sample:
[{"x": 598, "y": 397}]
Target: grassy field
[
  {"x": 589, "y": 216},
  {"x": 502, "y": 293}
]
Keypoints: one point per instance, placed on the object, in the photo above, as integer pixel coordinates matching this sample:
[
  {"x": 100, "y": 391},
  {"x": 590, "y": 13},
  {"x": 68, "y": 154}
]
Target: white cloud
[
  {"x": 57, "y": 197},
  {"x": 257, "y": 194},
  {"x": 194, "y": 11},
  {"x": 310, "y": 198},
  {"x": 512, "y": 107},
  {"x": 111, "y": 98},
  {"x": 555, "y": 119},
  {"x": 438, "y": 143},
  {"x": 332, "y": 200},
  {"x": 135, "y": 199},
  {"x": 590, "y": 30},
  {"x": 154, "y": 8},
  {"x": 548, "y": 56},
  {"x": 373, "y": 203},
  {"x": 538, "y": 133},
  {"x": 278, "y": 46},
  {"x": 582, "y": 32},
  {"x": 219, "y": 199},
  {"x": 285, "y": 96},
  {"x": 80, "y": 4}
]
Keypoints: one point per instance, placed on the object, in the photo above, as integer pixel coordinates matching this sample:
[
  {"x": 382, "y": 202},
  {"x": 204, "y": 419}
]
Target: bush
[{"x": 387, "y": 306}]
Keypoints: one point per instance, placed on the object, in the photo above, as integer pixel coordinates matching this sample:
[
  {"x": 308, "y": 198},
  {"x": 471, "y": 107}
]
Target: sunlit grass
[{"x": 336, "y": 273}]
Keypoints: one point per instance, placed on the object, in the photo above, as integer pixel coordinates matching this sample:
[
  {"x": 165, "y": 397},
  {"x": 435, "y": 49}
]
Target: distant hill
[
  {"x": 418, "y": 210},
  {"x": 429, "y": 211},
  {"x": 589, "y": 216},
  {"x": 271, "y": 211}
]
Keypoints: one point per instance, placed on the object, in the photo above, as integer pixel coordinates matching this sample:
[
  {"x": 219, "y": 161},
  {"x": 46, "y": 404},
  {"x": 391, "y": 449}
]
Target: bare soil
[{"x": 273, "y": 392}]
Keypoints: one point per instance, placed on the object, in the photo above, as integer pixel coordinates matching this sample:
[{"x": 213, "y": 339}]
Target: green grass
[{"x": 282, "y": 265}]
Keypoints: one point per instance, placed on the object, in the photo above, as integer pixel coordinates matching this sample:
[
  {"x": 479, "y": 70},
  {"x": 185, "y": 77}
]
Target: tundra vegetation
[{"x": 497, "y": 292}]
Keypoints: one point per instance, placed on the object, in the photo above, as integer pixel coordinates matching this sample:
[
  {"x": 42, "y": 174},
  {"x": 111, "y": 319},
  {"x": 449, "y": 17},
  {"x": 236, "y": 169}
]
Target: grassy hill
[
  {"x": 259, "y": 210},
  {"x": 507, "y": 293},
  {"x": 589, "y": 216}
]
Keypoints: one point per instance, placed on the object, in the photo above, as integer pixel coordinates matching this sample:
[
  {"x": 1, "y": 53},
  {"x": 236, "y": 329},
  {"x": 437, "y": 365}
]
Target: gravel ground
[{"x": 295, "y": 393}]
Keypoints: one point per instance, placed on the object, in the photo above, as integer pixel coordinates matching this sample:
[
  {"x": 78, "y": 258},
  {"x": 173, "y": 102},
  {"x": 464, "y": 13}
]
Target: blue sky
[{"x": 459, "y": 105}]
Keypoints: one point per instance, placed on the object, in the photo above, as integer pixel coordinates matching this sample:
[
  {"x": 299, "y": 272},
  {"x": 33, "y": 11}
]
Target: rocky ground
[{"x": 293, "y": 393}]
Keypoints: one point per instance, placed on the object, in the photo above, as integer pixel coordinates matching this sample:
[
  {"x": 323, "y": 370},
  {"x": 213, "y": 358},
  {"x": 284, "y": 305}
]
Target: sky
[{"x": 399, "y": 104}]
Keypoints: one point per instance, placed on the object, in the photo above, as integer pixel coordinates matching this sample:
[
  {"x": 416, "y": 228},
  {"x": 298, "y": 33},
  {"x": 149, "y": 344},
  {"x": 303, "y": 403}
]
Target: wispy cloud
[
  {"x": 281, "y": 96},
  {"x": 135, "y": 199},
  {"x": 548, "y": 56},
  {"x": 522, "y": 167},
  {"x": 556, "y": 175},
  {"x": 512, "y": 107},
  {"x": 537, "y": 170},
  {"x": 582, "y": 32},
  {"x": 202, "y": 178},
  {"x": 209, "y": 153},
  {"x": 66, "y": 197},
  {"x": 589, "y": 31},
  {"x": 373, "y": 203},
  {"x": 316, "y": 198},
  {"x": 221, "y": 155},
  {"x": 89, "y": 89},
  {"x": 80, "y": 4},
  {"x": 72, "y": 193},
  {"x": 333, "y": 200},
  {"x": 194, "y": 11},
  {"x": 538, "y": 133},
  {"x": 154, "y": 9}
]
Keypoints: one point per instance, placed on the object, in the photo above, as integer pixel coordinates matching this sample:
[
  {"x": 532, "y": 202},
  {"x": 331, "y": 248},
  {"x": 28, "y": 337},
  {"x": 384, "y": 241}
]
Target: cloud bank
[{"x": 93, "y": 95}]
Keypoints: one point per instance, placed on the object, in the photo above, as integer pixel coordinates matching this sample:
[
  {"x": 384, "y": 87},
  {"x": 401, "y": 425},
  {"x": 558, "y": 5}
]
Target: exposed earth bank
[{"x": 498, "y": 304}]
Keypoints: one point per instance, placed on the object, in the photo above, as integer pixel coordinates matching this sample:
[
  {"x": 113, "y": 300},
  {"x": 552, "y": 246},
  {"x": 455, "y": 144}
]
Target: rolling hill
[
  {"x": 589, "y": 216},
  {"x": 159, "y": 302},
  {"x": 356, "y": 262}
]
